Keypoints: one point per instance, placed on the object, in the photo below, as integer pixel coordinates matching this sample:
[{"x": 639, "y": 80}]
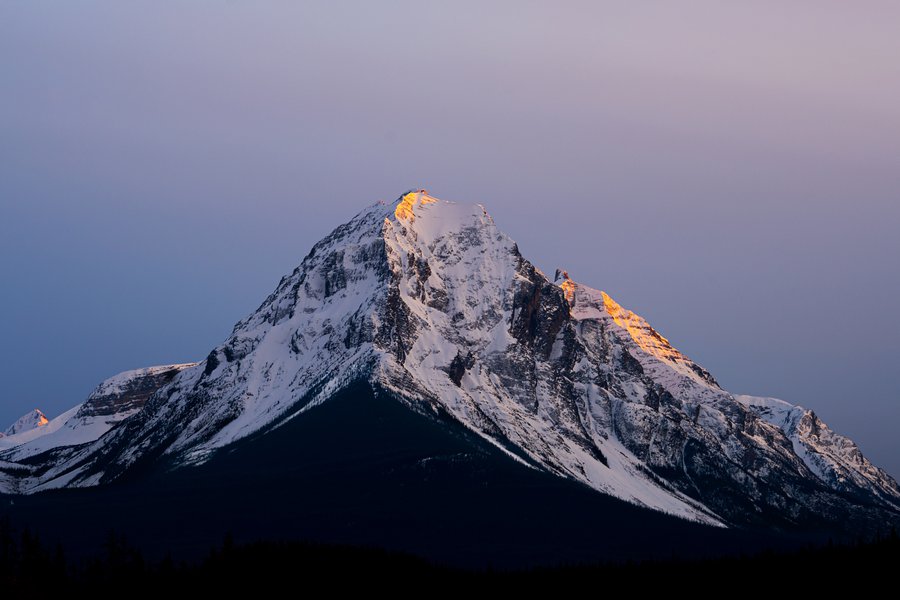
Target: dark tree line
[{"x": 28, "y": 568}]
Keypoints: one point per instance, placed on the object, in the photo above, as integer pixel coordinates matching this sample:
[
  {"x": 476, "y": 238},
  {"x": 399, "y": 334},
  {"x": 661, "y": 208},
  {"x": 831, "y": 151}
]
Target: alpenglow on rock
[
  {"x": 431, "y": 304},
  {"x": 27, "y": 422}
]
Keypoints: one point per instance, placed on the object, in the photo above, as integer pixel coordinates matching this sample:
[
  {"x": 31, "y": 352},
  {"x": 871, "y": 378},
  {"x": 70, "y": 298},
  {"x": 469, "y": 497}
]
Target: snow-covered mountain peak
[
  {"x": 30, "y": 420},
  {"x": 425, "y": 215},
  {"x": 428, "y": 302},
  {"x": 406, "y": 204}
]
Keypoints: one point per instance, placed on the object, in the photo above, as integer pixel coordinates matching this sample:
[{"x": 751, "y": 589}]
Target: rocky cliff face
[
  {"x": 834, "y": 459},
  {"x": 431, "y": 304},
  {"x": 126, "y": 393}
]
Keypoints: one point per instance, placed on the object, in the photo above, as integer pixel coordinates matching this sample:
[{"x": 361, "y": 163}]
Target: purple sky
[{"x": 732, "y": 173}]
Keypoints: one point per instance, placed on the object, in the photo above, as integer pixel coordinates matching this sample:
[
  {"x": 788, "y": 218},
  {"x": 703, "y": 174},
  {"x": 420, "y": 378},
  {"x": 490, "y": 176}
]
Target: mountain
[
  {"x": 27, "y": 422},
  {"x": 114, "y": 400},
  {"x": 428, "y": 304}
]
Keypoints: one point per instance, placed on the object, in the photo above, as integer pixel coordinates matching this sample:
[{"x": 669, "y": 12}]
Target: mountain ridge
[{"x": 431, "y": 302}]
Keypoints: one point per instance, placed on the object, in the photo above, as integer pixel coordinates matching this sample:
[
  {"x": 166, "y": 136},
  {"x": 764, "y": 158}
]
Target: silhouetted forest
[{"x": 29, "y": 568}]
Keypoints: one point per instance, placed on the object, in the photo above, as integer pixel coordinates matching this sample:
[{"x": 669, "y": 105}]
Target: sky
[{"x": 730, "y": 171}]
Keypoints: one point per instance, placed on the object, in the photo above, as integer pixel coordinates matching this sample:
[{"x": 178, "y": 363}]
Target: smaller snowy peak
[
  {"x": 27, "y": 422},
  {"x": 833, "y": 458},
  {"x": 37, "y": 433}
]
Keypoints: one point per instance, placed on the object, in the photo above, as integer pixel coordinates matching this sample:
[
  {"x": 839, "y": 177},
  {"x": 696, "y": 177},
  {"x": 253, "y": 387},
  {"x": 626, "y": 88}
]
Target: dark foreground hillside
[{"x": 364, "y": 471}]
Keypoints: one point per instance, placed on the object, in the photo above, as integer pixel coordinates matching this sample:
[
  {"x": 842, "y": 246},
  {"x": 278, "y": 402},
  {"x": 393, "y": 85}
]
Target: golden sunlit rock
[
  {"x": 645, "y": 336},
  {"x": 568, "y": 288},
  {"x": 404, "y": 210}
]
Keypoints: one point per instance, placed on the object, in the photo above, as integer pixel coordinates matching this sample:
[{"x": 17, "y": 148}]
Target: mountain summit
[
  {"x": 27, "y": 422},
  {"x": 428, "y": 303}
]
